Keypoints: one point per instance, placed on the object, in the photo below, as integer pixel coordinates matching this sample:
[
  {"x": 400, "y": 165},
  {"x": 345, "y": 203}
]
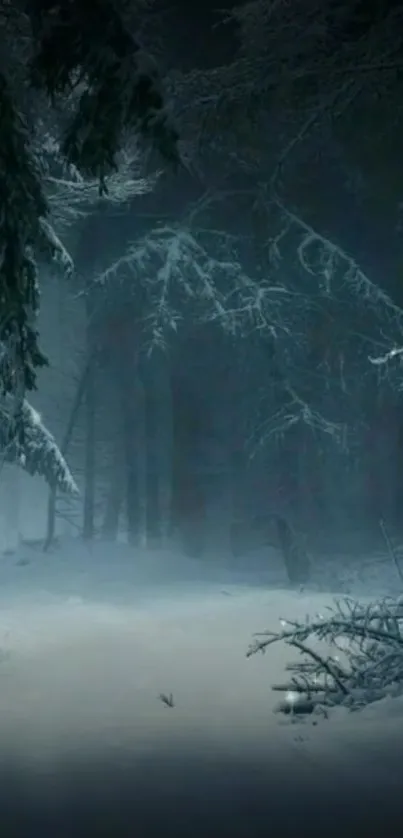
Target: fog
[
  {"x": 89, "y": 747},
  {"x": 201, "y": 425}
]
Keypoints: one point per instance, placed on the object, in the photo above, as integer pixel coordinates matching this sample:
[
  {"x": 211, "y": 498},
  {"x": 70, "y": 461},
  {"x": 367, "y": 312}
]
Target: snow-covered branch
[
  {"x": 71, "y": 196},
  {"x": 25, "y": 440},
  {"x": 53, "y": 248},
  {"x": 295, "y": 411},
  {"x": 352, "y": 657},
  {"x": 175, "y": 268},
  {"x": 388, "y": 356},
  {"x": 331, "y": 264}
]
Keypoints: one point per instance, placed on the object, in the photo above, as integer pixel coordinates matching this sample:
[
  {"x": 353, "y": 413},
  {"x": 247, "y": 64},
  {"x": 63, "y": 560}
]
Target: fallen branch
[{"x": 368, "y": 637}]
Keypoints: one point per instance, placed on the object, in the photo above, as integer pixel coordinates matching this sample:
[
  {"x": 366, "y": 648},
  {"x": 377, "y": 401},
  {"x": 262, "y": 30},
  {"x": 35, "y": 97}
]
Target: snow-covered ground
[
  {"x": 91, "y": 641},
  {"x": 119, "y": 573}
]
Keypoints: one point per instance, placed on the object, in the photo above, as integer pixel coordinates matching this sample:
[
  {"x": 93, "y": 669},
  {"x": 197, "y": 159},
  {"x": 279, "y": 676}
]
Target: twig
[{"x": 323, "y": 663}]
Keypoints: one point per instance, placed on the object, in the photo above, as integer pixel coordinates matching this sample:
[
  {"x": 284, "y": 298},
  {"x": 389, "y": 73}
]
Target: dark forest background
[{"x": 226, "y": 354}]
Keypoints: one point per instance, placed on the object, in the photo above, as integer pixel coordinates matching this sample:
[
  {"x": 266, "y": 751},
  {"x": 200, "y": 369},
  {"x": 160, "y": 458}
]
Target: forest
[
  {"x": 201, "y": 338},
  {"x": 201, "y": 417}
]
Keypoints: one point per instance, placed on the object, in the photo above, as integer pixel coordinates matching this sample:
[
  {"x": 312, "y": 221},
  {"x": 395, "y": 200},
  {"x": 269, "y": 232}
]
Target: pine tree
[
  {"x": 83, "y": 58},
  {"x": 87, "y": 49}
]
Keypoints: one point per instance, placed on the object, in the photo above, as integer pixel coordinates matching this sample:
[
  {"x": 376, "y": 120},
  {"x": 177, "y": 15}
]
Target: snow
[{"x": 92, "y": 639}]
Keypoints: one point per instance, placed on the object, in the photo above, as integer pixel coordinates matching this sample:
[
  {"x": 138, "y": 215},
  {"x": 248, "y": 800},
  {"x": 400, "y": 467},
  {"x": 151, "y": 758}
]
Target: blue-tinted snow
[{"x": 117, "y": 572}]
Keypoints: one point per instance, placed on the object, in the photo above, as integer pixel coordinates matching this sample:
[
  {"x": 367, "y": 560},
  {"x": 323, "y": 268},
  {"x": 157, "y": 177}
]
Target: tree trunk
[
  {"x": 165, "y": 416},
  {"x": 159, "y": 440},
  {"x": 89, "y": 473},
  {"x": 189, "y": 496},
  {"x": 132, "y": 400},
  {"x": 218, "y": 491},
  {"x": 115, "y": 495},
  {"x": 51, "y": 516},
  {"x": 10, "y": 500},
  {"x": 295, "y": 558},
  {"x": 152, "y": 507}
]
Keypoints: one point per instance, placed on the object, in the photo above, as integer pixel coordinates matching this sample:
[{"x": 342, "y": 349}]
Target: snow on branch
[
  {"x": 388, "y": 366},
  {"x": 295, "y": 411},
  {"x": 71, "y": 196},
  {"x": 53, "y": 248},
  {"x": 25, "y": 440},
  {"x": 321, "y": 257},
  {"x": 352, "y": 657},
  {"x": 175, "y": 268},
  {"x": 388, "y": 356}
]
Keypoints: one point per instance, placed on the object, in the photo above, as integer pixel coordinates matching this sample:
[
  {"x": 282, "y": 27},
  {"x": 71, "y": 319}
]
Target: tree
[
  {"x": 88, "y": 58},
  {"x": 279, "y": 117},
  {"x": 91, "y": 51},
  {"x": 87, "y": 61}
]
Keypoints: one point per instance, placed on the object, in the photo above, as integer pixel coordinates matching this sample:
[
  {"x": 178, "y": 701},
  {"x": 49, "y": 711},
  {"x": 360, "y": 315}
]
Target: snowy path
[{"x": 80, "y": 684}]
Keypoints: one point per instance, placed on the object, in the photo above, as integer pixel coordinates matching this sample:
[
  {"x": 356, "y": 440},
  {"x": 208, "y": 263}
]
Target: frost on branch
[
  {"x": 389, "y": 365},
  {"x": 71, "y": 196},
  {"x": 25, "y": 440},
  {"x": 334, "y": 267},
  {"x": 294, "y": 411},
  {"x": 340, "y": 278},
  {"x": 53, "y": 248},
  {"x": 352, "y": 657},
  {"x": 88, "y": 48},
  {"x": 176, "y": 268}
]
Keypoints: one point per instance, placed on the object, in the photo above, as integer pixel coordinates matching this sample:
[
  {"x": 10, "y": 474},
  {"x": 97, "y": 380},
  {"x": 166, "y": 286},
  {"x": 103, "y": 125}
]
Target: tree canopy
[{"x": 78, "y": 67}]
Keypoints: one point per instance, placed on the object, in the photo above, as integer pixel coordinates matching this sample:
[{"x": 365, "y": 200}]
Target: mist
[
  {"x": 92, "y": 645},
  {"x": 201, "y": 425}
]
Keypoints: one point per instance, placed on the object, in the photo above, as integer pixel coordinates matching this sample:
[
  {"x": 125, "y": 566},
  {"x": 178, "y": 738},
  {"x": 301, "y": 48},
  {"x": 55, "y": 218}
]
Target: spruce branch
[
  {"x": 363, "y": 661},
  {"x": 26, "y": 441},
  {"x": 87, "y": 49}
]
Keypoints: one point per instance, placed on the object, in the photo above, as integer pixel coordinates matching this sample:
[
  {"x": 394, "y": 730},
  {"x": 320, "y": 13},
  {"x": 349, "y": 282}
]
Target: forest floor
[{"x": 87, "y": 653}]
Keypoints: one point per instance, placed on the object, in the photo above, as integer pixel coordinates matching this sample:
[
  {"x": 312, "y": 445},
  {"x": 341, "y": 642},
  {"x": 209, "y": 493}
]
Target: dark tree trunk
[
  {"x": 132, "y": 401},
  {"x": 159, "y": 445},
  {"x": 51, "y": 517},
  {"x": 192, "y": 512},
  {"x": 89, "y": 473},
  {"x": 153, "y": 522},
  {"x": 189, "y": 502},
  {"x": 114, "y": 500},
  {"x": 295, "y": 558},
  {"x": 87, "y": 261}
]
